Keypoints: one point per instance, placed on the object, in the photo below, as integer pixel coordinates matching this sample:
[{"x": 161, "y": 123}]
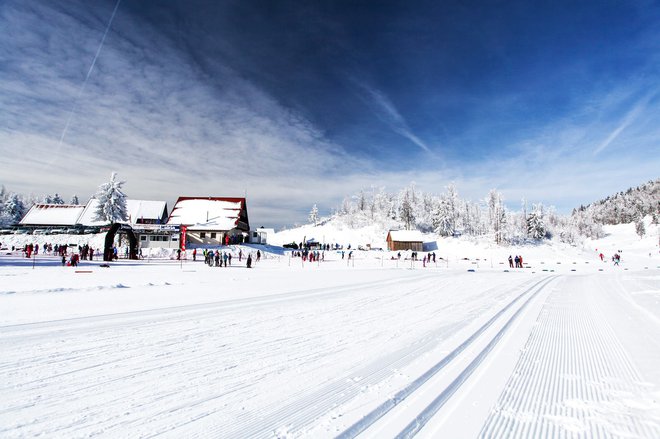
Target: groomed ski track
[
  {"x": 420, "y": 353},
  {"x": 575, "y": 378}
]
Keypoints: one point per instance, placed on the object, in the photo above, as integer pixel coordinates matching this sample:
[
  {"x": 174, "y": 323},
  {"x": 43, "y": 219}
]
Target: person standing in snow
[
  {"x": 258, "y": 255},
  {"x": 194, "y": 255},
  {"x": 249, "y": 261},
  {"x": 510, "y": 262}
]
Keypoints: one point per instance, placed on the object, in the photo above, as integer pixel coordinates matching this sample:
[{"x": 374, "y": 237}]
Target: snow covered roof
[
  {"x": 88, "y": 215},
  {"x": 52, "y": 215},
  {"x": 210, "y": 213},
  {"x": 136, "y": 209},
  {"x": 406, "y": 235},
  {"x": 145, "y": 210}
]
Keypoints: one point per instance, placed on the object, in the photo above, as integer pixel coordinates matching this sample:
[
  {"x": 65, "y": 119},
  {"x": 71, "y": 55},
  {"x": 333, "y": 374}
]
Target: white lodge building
[{"x": 211, "y": 220}]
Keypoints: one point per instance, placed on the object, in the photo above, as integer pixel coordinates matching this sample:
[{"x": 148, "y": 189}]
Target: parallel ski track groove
[
  {"x": 572, "y": 356},
  {"x": 310, "y": 407},
  {"x": 427, "y": 413},
  {"x": 380, "y": 411}
]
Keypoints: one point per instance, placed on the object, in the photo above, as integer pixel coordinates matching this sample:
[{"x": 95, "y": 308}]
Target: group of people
[
  {"x": 309, "y": 255},
  {"x": 616, "y": 257},
  {"x": 85, "y": 252},
  {"x": 518, "y": 261},
  {"x": 216, "y": 258}
]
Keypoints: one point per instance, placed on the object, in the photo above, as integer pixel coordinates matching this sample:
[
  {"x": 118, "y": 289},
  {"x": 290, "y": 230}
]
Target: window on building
[
  {"x": 143, "y": 237},
  {"x": 212, "y": 235},
  {"x": 202, "y": 235}
]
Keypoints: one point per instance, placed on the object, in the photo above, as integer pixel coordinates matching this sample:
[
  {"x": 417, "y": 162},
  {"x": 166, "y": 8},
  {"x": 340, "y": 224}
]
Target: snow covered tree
[
  {"x": 535, "y": 222},
  {"x": 112, "y": 201},
  {"x": 13, "y": 210},
  {"x": 74, "y": 200},
  {"x": 314, "y": 215},
  {"x": 443, "y": 223},
  {"x": 57, "y": 199},
  {"x": 48, "y": 199},
  {"x": 496, "y": 215},
  {"x": 640, "y": 228},
  {"x": 406, "y": 210}
]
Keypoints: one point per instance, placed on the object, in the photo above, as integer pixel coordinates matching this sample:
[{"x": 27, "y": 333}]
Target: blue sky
[{"x": 296, "y": 103}]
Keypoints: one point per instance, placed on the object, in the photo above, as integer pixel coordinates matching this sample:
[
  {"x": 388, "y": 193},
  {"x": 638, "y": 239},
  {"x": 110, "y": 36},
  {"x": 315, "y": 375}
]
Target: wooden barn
[{"x": 405, "y": 240}]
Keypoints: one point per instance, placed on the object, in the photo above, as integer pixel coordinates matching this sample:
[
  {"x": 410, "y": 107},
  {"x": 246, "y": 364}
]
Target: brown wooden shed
[{"x": 405, "y": 240}]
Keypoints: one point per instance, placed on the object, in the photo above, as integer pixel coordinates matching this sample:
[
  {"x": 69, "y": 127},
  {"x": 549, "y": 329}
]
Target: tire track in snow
[{"x": 574, "y": 378}]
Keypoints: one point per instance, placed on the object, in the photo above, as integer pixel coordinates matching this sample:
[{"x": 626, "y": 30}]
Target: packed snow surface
[{"x": 374, "y": 346}]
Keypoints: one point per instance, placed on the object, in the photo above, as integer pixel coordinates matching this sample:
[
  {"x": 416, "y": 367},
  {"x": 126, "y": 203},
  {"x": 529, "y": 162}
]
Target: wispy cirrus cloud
[
  {"x": 386, "y": 111},
  {"x": 174, "y": 119},
  {"x": 152, "y": 115},
  {"x": 639, "y": 108}
]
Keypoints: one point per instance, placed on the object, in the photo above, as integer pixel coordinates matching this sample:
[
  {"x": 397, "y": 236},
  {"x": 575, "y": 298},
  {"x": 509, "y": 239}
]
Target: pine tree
[
  {"x": 314, "y": 215},
  {"x": 535, "y": 223},
  {"x": 74, "y": 200},
  {"x": 48, "y": 199},
  {"x": 406, "y": 211},
  {"x": 13, "y": 210},
  {"x": 640, "y": 228},
  {"x": 112, "y": 201},
  {"x": 442, "y": 220},
  {"x": 57, "y": 199}
]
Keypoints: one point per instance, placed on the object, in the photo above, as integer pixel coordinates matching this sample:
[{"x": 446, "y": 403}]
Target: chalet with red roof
[{"x": 211, "y": 220}]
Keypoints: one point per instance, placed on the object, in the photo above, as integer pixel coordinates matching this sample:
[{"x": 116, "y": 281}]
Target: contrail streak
[{"x": 89, "y": 72}]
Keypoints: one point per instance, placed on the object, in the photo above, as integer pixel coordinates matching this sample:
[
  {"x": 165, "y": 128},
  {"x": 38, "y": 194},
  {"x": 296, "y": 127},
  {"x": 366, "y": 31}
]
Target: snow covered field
[{"x": 567, "y": 347}]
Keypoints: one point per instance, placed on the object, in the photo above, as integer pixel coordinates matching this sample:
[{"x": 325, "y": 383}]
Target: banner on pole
[{"x": 184, "y": 229}]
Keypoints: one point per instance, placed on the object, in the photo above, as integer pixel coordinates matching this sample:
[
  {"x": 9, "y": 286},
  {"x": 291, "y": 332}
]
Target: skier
[
  {"x": 258, "y": 255},
  {"x": 249, "y": 261},
  {"x": 510, "y": 262},
  {"x": 194, "y": 255}
]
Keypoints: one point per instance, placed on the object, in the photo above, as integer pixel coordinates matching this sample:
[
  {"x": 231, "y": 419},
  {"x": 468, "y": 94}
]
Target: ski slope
[{"x": 375, "y": 347}]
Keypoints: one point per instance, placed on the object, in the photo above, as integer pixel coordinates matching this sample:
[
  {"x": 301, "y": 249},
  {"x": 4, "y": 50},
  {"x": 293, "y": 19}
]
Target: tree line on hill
[{"x": 449, "y": 215}]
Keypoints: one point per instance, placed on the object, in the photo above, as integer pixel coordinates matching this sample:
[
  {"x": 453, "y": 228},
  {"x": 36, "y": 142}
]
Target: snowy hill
[{"x": 618, "y": 238}]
